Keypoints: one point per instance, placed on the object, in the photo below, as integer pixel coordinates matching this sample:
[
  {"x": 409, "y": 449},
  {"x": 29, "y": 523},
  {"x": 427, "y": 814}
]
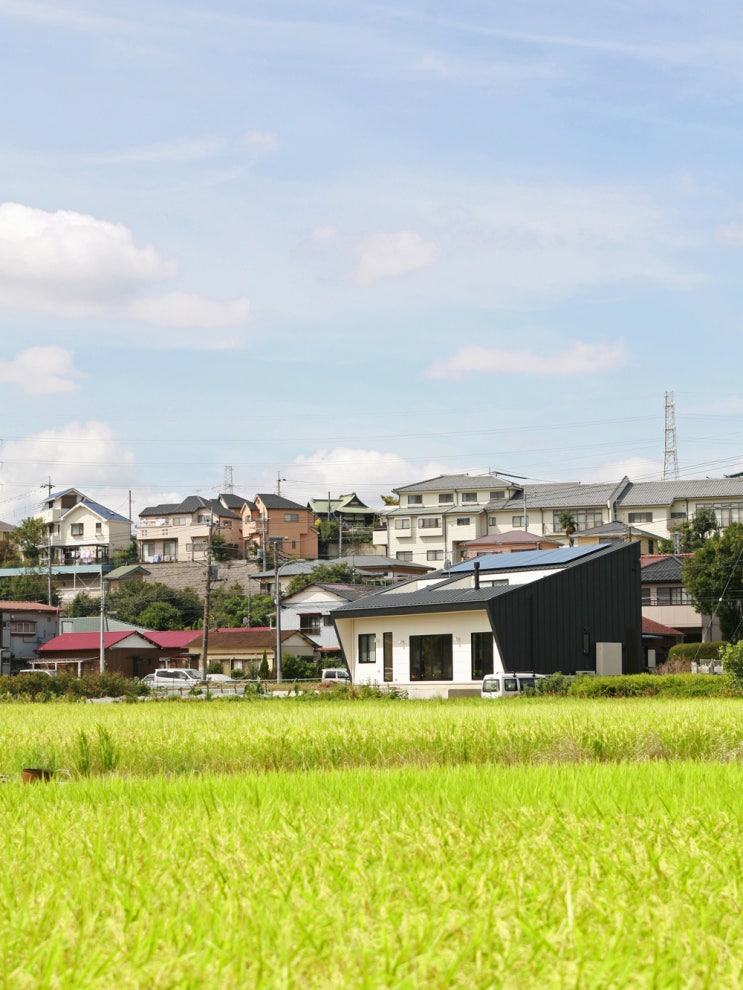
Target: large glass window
[
  {"x": 367, "y": 648},
  {"x": 639, "y": 517},
  {"x": 446, "y": 498},
  {"x": 583, "y": 519},
  {"x": 310, "y": 624},
  {"x": 430, "y": 522},
  {"x": 415, "y": 500},
  {"x": 482, "y": 655},
  {"x": 431, "y": 658},
  {"x": 469, "y": 496}
]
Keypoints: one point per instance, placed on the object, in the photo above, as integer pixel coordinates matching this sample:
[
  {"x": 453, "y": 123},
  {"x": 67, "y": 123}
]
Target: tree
[
  {"x": 120, "y": 558},
  {"x": 132, "y": 599},
  {"x": 713, "y": 576},
  {"x": 30, "y": 587},
  {"x": 29, "y": 536},
  {"x": 568, "y": 524},
  {"x": 160, "y": 615},
  {"x": 390, "y": 499},
  {"x": 82, "y": 604},
  {"x": 339, "y": 573},
  {"x": 691, "y": 535},
  {"x": 221, "y": 549},
  {"x": 229, "y": 606}
]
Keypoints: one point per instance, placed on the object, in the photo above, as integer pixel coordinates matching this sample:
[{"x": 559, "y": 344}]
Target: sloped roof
[
  {"x": 272, "y": 501},
  {"x": 169, "y": 638},
  {"x": 189, "y": 505},
  {"x": 100, "y": 510},
  {"x": 85, "y": 641},
  {"x": 527, "y": 559},
  {"x": 562, "y": 495},
  {"x": 232, "y": 501},
  {"x": 616, "y": 530},
  {"x": 652, "y": 628},
  {"x": 126, "y": 570},
  {"x": 7, "y": 606},
  {"x": 665, "y": 492},
  {"x": 512, "y": 538},
  {"x": 444, "y": 482},
  {"x": 236, "y": 639},
  {"x": 661, "y": 568}
]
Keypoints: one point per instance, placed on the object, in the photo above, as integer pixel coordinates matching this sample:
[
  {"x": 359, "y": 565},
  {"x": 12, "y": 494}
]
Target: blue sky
[{"x": 353, "y": 245}]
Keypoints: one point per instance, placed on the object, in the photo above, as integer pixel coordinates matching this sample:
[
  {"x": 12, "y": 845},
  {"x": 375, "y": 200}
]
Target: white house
[
  {"x": 574, "y": 608},
  {"x": 82, "y": 531},
  {"x": 310, "y": 611}
]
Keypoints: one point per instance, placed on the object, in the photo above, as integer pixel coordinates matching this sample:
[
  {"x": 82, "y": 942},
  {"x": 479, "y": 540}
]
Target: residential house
[
  {"x": 128, "y": 652},
  {"x": 181, "y": 531},
  {"x": 657, "y": 640},
  {"x": 81, "y": 531},
  {"x": 571, "y": 609},
  {"x": 624, "y": 532},
  {"x": 666, "y": 600},
  {"x": 437, "y": 518},
  {"x": 355, "y": 519},
  {"x": 369, "y": 568},
  {"x": 244, "y": 648},
  {"x": 6, "y": 545},
  {"x": 24, "y": 626},
  {"x": 272, "y": 521},
  {"x": 514, "y": 541},
  {"x": 310, "y": 611},
  {"x": 68, "y": 580}
]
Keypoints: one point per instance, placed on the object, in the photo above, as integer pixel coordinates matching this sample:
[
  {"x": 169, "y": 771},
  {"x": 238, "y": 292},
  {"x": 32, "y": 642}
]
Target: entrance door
[{"x": 387, "y": 655}]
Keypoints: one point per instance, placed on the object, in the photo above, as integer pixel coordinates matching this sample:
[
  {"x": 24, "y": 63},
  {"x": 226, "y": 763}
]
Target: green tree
[
  {"x": 568, "y": 524},
  {"x": 691, "y": 534},
  {"x": 222, "y": 550},
  {"x": 160, "y": 615},
  {"x": 30, "y": 536},
  {"x": 230, "y": 606},
  {"x": 30, "y": 587},
  {"x": 713, "y": 576},
  {"x": 731, "y": 656},
  {"x": 129, "y": 601},
  {"x": 82, "y": 604},
  {"x": 120, "y": 558},
  {"x": 339, "y": 573},
  {"x": 390, "y": 499}
]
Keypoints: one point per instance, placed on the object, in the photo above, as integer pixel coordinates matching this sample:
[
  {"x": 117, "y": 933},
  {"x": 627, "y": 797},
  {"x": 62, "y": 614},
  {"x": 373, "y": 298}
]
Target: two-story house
[
  {"x": 24, "y": 626},
  {"x": 272, "y": 521},
  {"x": 437, "y": 518},
  {"x": 82, "y": 531},
  {"x": 177, "y": 531}
]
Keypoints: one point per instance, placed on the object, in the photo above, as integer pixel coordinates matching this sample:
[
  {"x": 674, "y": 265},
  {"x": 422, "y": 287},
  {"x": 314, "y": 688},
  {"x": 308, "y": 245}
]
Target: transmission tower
[
  {"x": 670, "y": 456},
  {"x": 229, "y": 485}
]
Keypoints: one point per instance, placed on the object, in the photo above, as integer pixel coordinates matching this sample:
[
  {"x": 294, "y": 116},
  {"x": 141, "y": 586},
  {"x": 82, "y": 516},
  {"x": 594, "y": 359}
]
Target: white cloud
[
  {"x": 260, "y": 141},
  {"x": 41, "y": 371},
  {"x": 578, "y": 358},
  {"x": 370, "y": 473},
  {"x": 732, "y": 233},
  {"x": 181, "y": 309},
  {"x": 77, "y": 455},
  {"x": 389, "y": 255},
  {"x": 70, "y": 264}
]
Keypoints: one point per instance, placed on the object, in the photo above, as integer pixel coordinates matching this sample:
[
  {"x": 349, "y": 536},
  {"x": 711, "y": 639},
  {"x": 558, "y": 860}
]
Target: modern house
[
  {"x": 181, "y": 531},
  {"x": 82, "y": 531},
  {"x": 24, "y": 626},
  {"x": 571, "y": 609},
  {"x": 272, "y": 521},
  {"x": 438, "y": 518}
]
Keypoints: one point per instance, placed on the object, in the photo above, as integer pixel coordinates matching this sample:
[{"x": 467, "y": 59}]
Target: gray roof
[
  {"x": 126, "y": 570},
  {"x": 440, "y": 596},
  {"x": 272, "y": 501},
  {"x": 233, "y": 501},
  {"x": 617, "y": 530},
  {"x": 664, "y": 569},
  {"x": 564, "y": 495},
  {"x": 102, "y": 511},
  {"x": 665, "y": 492},
  {"x": 467, "y": 482},
  {"x": 190, "y": 504}
]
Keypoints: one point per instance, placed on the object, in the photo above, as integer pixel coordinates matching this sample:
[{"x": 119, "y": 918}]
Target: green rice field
[{"x": 535, "y": 843}]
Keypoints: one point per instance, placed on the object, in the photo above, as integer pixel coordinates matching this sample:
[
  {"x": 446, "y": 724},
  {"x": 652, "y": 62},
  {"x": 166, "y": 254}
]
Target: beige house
[
  {"x": 437, "y": 518},
  {"x": 241, "y": 648},
  {"x": 181, "y": 531}
]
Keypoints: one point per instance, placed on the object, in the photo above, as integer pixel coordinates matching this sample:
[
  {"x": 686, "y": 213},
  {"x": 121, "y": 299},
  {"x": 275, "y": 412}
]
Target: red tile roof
[
  {"x": 652, "y": 628},
  {"x": 27, "y": 607},
  {"x": 84, "y": 641}
]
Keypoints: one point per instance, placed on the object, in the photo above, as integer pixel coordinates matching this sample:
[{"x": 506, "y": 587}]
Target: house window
[
  {"x": 463, "y": 521},
  {"x": 583, "y": 518},
  {"x": 431, "y": 522},
  {"x": 76, "y": 529},
  {"x": 517, "y": 520},
  {"x": 499, "y": 494},
  {"x": 99, "y": 529},
  {"x": 404, "y": 555},
  {"x": 203, "y": 519},
  {"x": 646, "y": 596},
  {"x": 387, "y": 655},
  {"x": 431, "y": 658},
  {"x": 291, "y": 517},
  {"x": 402, "y": 523},
  {"x": 434, "y": 554},
  {"x": 415, "y": 500},
  {"x": 179, "y": 521},
  {"x": 310, "y": 624},
  {"x": 678, "y": 515},
  {"x": 672, "y": 596},
  {"x": 469, "y": 496},
  {"x": 170, "y": 548},
  {"x": 23, "y": 628},
  {"x": 482, "y": 655},
  {"x": 446, "y": 498},
  {"x": 492, "y": 521},
  {"x": 586, "y": 643},
  {"x": 640, "y": 517},
  {"x": 327, "y": 620},
  {"x": 367, "y": 648}
]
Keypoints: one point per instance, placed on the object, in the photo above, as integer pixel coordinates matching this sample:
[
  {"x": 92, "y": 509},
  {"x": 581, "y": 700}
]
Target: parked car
[
  {"x": 508, "y": 685},
  {"x": 36, "y": 670},
  {"x": 177, "y": 678},
  {"x": 219, "y": 679},
  {"x": 337, "y": 675}
]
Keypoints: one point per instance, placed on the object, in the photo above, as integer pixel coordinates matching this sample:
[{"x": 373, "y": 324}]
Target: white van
[
  {"x": 175, "y": 678},
  {"x": 508, "y": 685}
]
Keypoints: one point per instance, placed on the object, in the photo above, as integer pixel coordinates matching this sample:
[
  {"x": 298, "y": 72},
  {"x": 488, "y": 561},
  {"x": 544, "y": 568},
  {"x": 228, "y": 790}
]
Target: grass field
[{"x": 553, "y": 843}]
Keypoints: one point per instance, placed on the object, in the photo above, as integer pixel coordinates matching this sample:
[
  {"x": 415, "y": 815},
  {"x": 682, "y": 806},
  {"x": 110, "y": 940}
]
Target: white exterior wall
[
  {"x": 312, "y": 601},
  {"x": 460, "y": 625}
]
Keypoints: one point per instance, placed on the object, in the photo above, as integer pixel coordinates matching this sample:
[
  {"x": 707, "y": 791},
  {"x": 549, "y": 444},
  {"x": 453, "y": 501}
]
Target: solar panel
[{"x": 527, "y": 558}]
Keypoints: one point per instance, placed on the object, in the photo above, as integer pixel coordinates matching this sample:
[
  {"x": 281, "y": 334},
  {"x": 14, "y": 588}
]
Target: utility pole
[
  {"x": 50, "y": 530},
  {"x": 277, "y": 665},
  {"x": 207, "y": 601},
  {"x": 102, "y": 641}
]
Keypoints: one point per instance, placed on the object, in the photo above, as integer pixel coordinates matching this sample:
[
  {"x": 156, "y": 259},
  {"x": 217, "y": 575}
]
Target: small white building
[
  {"x": 81, "y": 531},
  {"x": 310, "y": 611}
]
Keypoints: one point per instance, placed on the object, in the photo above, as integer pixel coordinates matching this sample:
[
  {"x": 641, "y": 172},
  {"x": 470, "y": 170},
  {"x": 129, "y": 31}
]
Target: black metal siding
[{"x": 540, "y": 626}]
